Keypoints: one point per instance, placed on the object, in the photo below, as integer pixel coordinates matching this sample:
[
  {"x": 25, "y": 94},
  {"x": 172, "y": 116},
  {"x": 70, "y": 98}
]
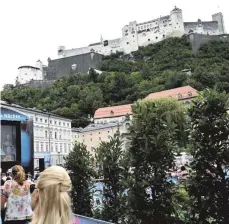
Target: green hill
[{"x": 126, "y": 78}]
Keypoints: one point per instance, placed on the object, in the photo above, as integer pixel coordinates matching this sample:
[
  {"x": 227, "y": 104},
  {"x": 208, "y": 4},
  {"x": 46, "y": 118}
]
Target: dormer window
[
  {"x": 112, "y": 112},
  {"x": 189, "y": 94},
  {"x": 179, "y": 96}
]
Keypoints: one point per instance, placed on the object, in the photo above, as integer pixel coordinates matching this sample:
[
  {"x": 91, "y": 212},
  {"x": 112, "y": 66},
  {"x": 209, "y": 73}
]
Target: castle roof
[
  {"x": 115, "y": 111},
  {"x": 181, "y": 93}
]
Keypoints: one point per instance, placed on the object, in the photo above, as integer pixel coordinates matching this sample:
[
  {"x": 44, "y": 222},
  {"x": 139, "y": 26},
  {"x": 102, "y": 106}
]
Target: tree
[
  {"x": 210, "y": 140},
  {"x": 78, "y": 162},
  {"x": 153, "y": 140},
  {"x": 110, "y": 159}
]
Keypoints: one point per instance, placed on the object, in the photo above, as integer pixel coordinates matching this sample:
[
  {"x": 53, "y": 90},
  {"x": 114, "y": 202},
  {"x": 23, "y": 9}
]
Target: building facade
[
  {"x": 28, "y": 73},
  {"x": 52, "y": 134},
  {"x": 136, "y": 34},
  {"x": 93, "y": 134}
]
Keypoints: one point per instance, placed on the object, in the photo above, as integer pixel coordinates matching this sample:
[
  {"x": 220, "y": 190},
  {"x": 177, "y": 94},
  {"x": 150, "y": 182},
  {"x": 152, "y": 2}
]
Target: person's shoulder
[
  {"x": 27, "y": 184},
  {"x": 8, "y": 184}
]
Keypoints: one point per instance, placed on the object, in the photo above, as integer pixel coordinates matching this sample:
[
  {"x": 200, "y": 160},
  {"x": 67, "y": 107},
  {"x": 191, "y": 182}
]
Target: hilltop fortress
[{"x": 136, "y": 34}]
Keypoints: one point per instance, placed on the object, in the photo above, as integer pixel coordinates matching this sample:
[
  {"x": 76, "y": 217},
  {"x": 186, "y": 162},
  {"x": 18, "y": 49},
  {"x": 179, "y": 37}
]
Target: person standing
[
  {"x": 17, "y": 192},
  {"x": 50, "y": 199}
]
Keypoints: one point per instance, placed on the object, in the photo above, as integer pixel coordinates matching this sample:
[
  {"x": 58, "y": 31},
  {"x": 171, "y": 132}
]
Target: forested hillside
[{"x": 127, "y": 78}]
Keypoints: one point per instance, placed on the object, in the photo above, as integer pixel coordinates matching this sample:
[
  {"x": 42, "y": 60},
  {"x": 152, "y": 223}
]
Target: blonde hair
[
  {"x": 18, "y": 174},
  {"x": 53, "y": 205}
]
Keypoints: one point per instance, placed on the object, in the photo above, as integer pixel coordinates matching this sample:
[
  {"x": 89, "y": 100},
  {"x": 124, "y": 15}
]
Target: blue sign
[{"x": 11, "y": 115}]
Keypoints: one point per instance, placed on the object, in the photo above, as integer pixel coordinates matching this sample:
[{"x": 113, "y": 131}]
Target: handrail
[{"x": 79, "y": 219}]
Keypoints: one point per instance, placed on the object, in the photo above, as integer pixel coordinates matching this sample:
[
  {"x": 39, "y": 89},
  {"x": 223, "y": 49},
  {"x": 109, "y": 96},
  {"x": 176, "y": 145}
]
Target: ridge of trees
[{"x": 125, "y": 79}]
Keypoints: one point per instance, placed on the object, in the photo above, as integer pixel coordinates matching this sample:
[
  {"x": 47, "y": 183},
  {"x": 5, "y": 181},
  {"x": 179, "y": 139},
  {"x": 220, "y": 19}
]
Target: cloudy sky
[{"x": 33, "y": 29}]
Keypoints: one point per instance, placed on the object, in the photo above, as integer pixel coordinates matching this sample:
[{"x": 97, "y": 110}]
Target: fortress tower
[
  {"x": 177, "y": 22},
  {"x": 219, "y": 18},
  {"x": 130, "y": 37}
]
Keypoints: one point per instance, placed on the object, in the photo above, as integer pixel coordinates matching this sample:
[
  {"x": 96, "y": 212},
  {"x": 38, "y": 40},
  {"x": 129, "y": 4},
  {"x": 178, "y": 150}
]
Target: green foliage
[
  {"x": 110, "y": 159},
  {"x": 209, "y": 138},
  {"x": 78, "y": 162},
  {"x": 127, "y": 78},
  {"x": 153, "y": 139}
]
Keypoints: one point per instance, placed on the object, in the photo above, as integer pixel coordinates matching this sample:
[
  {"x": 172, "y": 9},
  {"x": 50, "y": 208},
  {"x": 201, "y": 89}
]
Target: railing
[{"x": 78, "y": 219}]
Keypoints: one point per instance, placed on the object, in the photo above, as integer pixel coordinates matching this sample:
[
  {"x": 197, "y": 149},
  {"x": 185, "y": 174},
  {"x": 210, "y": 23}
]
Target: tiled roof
[
  {"x": 115, "y": 111},
  {"x": 181, "y": 93},
  {"x": 92, "y": 127}
]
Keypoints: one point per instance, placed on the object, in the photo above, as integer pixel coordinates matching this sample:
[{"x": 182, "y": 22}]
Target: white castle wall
[
  {"x": 142, "y": 34},
  {"x": 28, "y": 73}
]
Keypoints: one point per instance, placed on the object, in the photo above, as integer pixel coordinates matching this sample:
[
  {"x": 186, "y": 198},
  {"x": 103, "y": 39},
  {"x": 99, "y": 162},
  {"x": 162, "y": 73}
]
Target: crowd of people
[{"x": 26, "y": 199}]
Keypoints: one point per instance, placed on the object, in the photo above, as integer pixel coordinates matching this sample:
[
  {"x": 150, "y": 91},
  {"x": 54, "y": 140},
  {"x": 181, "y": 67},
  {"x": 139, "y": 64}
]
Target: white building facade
[
  {"x": 52, "y": 134},
  {"x": 28, "y": 73},
  {"x": 136, "y": 34}
]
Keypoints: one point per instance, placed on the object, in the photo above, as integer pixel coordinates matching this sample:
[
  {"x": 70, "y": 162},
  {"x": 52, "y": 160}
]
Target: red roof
[
  {"x": 181, "y": 93},
  {"x": 115, "y": 111}
]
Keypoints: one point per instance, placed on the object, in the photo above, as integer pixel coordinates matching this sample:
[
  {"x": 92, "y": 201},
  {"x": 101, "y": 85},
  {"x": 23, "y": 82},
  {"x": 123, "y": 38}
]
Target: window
[
  {"x": 55, "y": 135},
  {"x": 45, "y": 120},
  {"x": 189, "y": 94},
  {"x": 64, "y": 123},
  {"x": 91, "y": 139},
  {"x": 51, "y": 147},
  {"x": 91, "y": 133},
  {"x": 179, "y": 96},
  {"x": 108, "y": 131},
  {"x": 36, "y": 119},
  {"x": 59, "y": 136},
  {"x": 46, "y": 134},
  {"x": 41, "y": 119},
  {"x": 56, "y": 147},
  {"x": 156, "y": 37},
  {"x": 59, "y": 123},
  {"x": 42, "y": 147},
  {"x": 50, "y": 133},
  {"x": 148, "y": 39},
  {"x": 69, "y": 147},
  {"x": 127, "y": 42},
  {"x": 65, "y": 148},
  {"x": 99, "y": 132},
  {"x": 61, "y": 147},
  {"x": 37, "y": 147},
  {"x": 99, "y": 138},
  {"x": 50, "y": 121},
  {"x": 92, "y": 149},
  {"x": 47, "y": 147},
  {"x": 68, "y": 124},
  {"x": 55, "y": 122}
]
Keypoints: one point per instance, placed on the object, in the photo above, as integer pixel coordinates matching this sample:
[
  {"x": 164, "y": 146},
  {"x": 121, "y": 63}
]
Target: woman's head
[
  {"x": 18, "y": 174},
  {"x": 51, "y": 199}
]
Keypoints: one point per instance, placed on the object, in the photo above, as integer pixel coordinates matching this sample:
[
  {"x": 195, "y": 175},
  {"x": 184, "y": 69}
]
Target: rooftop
[
  {"x": 115, "y": 111},
  {"x": 34, "y": 110},
  {"x": 181, "y": 93},
  {"x": 28, "y": 66},
  {"x": 92, "y": 127}
]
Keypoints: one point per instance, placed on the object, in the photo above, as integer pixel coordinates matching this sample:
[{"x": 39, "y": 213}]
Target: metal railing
[{"x": 79, "y": 219}]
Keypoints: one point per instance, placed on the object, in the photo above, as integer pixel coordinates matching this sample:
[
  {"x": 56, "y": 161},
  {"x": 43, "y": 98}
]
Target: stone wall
[
  {"x": 197, "y": 40},
  {"x": 71, "y": 65}
]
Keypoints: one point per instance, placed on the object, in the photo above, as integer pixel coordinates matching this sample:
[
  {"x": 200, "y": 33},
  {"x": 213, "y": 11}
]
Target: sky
[{"x": 33, "y": 29}]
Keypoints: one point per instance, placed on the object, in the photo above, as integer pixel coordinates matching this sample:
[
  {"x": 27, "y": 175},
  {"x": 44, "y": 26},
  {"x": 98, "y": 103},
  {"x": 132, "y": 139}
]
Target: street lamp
[{"x": 59, "y": 156}]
